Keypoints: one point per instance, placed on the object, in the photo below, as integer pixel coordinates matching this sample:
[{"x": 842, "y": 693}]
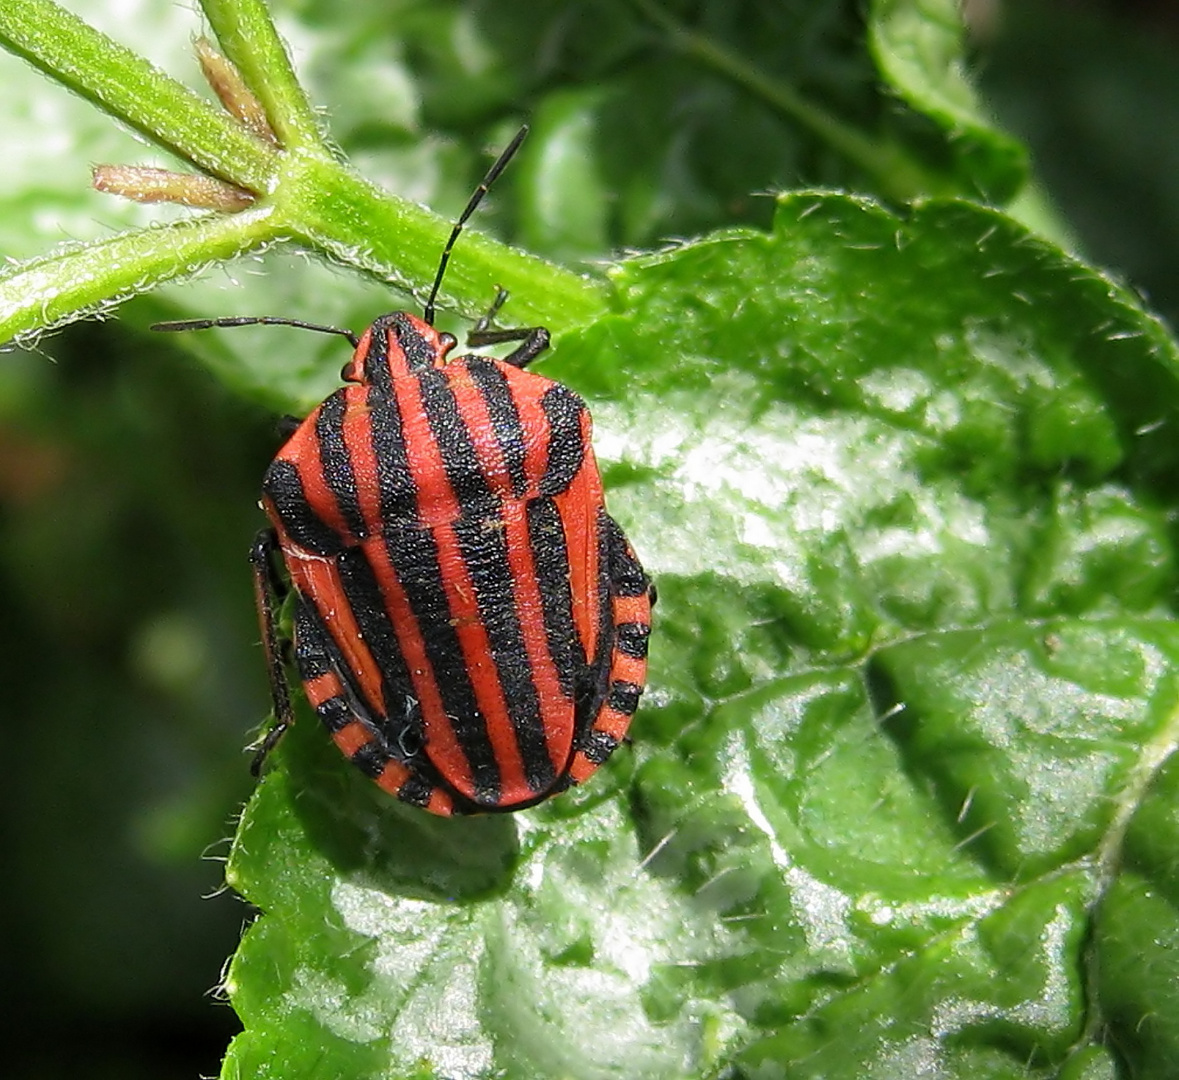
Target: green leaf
[
  {"x": 904, "y": 484},
  {"x": 920, "y": 48}
]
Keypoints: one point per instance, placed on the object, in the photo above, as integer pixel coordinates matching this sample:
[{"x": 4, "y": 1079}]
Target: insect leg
[
  {"x": 268, "y": 593},
  {"x": 535, "y": 338}
]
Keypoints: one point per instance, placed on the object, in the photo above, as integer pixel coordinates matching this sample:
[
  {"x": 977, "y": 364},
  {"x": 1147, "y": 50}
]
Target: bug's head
[{"x": 396, "y": 344}]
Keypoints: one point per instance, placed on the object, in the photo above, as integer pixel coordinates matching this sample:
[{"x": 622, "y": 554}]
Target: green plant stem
[
  {"x": 248, "y": 37},
  {"x": 127, "y": 87},
  {"x": 92, "y": 277},
  {"x": 327, "y": 206},
  {"x": 893, "y": 170},
  {"x": 322, "y": 205}
]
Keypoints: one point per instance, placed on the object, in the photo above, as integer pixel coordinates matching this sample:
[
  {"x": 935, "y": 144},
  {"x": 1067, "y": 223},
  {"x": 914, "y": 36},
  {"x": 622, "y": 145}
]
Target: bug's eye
[
  {"x": 287, "y": 426},
  {"x": 446, "y": 342},
  {"x": 352, "y": 371}
]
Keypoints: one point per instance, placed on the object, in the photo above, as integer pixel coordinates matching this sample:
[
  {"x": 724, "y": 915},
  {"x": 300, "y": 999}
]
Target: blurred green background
[{"x": 131, "y": 674}]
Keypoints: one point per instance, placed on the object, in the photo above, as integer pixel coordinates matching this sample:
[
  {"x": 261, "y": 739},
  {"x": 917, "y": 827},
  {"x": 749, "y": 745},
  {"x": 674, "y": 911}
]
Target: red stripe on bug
[
  {"x": 613, "y": 723},
  {"x": 481, "y": 669},
  {"x": 440, "y": 507},
  {"x": 440, "y": 803},
  {"x": 302, "y": 450},
  {"x": 472, "y": 407},
  {"x": 441, "y": 737},
  {"x": 628, "y": 669},
  {"x": 632, "y": 609},
  {"x": 318, "y": 579},
  {"x": 526, "y": 390},
  {"x": 396, "y": 357},
  {"x": 581, "y": 768},
  {"x": 556, "y": 710},
  {"x": 393, "y": 777},
  {"x": 323, "y": 687},
  {"x": 351, "y": 737},
  {"x": 578, "y": 507},
  {"x": 358, "y": 439}
]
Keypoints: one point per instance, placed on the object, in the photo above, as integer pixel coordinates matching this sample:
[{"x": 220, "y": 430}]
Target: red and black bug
[{"x": 470, "y": 624}]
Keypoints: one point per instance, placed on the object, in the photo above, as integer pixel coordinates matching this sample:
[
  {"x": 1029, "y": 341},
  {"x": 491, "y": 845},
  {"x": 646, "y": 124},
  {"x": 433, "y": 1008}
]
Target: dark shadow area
[{"x": 373, "y": 839}]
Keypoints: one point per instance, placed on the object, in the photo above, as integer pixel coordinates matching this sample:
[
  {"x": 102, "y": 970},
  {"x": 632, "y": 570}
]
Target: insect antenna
[
  {"x": 254, "y": 320},
  {"x": 492, "y": 173}
]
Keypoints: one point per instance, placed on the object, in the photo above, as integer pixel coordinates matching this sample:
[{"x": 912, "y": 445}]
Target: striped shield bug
[{"x": 470, "y": 624}]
